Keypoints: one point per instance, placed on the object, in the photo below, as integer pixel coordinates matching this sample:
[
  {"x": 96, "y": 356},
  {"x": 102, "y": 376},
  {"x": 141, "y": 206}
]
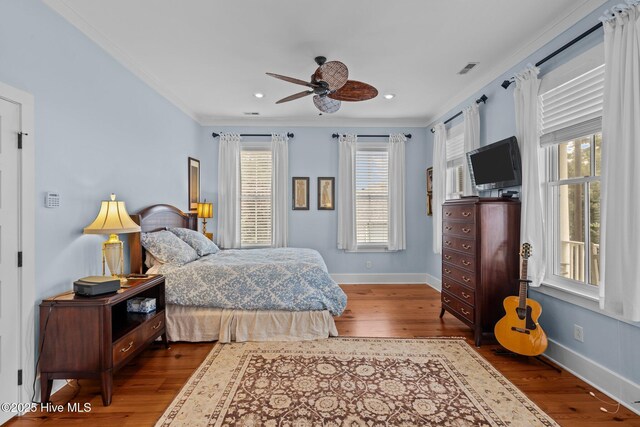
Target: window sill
[
  {"x": 369, "y": 249},
  {"x": 585, "y": 299}
]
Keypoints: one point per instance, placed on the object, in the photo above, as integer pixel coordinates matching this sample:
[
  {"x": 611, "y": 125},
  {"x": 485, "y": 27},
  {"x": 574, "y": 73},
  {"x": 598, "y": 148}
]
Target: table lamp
[
  {"x": 113, "y": 219},
  {"x": 205, "y": 210}
]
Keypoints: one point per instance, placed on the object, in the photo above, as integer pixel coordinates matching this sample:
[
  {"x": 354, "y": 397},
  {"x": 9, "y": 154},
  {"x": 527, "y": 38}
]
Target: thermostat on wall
[{"x": 52, "y": 200}]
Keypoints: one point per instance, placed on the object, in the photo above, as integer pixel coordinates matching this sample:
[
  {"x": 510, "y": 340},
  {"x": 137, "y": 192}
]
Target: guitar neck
[{"x": 523, "y": 283}]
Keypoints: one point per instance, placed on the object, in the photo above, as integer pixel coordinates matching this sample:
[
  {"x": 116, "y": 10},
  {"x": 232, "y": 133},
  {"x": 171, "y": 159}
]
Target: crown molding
[
  {"x": 548, "y": 34},
  {"x": 73, "y": 17},
  {"x": 324, "y": 121}
]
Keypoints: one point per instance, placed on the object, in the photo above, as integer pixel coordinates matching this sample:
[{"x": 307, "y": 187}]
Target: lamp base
[{"x": 113, "y": 256}]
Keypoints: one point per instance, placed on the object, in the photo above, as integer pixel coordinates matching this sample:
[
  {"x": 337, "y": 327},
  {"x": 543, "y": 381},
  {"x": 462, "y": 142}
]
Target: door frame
[{"x": 26, "y": 193}]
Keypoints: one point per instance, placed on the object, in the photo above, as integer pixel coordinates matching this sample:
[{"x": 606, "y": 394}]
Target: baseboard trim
[
  {"x": 608, "y": 382},
  {"x": 380, "y": 278}
]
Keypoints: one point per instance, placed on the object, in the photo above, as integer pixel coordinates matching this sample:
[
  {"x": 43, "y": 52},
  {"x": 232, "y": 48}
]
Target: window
[
  {"x": 372, "y": 195},
  {"x": 455, "y": 162},
  {"x": 255, "y": 197},
  {"x": 571, "y": 126}
]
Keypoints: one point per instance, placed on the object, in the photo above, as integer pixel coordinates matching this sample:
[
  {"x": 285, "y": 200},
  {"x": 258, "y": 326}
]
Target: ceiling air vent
[
  {"x": 470, "y": 66},
  {"x": 251, "y": 113}
]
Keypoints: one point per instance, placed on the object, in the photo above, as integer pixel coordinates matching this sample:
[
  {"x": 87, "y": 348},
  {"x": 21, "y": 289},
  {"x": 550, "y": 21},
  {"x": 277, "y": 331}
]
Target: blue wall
[
  {"x": 609, "y": 342},
  {"x": 313, "y": 153},
  {"x": 99, "y": 129}
]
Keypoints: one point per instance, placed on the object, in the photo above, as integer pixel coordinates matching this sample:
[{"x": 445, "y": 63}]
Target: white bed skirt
[{"x": 185, "y": 323}]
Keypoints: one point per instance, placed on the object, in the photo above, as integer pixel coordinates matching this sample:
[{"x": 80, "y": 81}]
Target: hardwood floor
[{"x": 144, "y": 388}]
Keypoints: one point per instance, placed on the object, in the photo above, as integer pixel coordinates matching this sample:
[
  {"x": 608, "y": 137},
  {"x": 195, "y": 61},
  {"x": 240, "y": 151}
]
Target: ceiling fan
[{"x": 329, "y": 86}]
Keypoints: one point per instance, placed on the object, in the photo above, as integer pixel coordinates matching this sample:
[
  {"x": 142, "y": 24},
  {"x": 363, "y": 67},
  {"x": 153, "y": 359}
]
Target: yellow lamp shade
[
  {"x": 112, "y": 219},
  {"x": 205, "y": 210}
]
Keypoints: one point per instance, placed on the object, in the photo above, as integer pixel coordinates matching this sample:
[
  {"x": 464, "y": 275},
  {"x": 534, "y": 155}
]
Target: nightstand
[{"x": 93, "y": 337}]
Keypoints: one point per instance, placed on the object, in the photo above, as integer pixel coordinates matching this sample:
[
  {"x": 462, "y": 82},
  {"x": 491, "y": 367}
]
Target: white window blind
[
  {"x": 255, "y": 202},
  {"x": 455, "y": 160},
  {"x": 372, "y": 197},
  {"x": 573, "y": 109}
]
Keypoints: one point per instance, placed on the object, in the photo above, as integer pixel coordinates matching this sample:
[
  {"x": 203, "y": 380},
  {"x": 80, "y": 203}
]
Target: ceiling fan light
[{"x": 389, "y": 96}]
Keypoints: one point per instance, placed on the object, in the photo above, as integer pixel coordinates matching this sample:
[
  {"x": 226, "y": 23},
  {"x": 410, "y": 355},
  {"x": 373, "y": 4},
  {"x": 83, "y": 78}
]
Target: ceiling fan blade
[
  {"x": 295, "y": 96},
  {"x": 334, "y": 73},
  {"x": 326, "y": 105},
  {"x": 354, "y": 91},
  {"x": 292, "y": 80}
]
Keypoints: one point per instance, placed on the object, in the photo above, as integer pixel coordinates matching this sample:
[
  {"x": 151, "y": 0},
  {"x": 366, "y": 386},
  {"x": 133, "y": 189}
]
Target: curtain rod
[
  {"x": 505, "y": 84},
  {"x": 407, "y": 135},
  {"x": 482, "y": 99},
  {"x": 289, "y": 134}
]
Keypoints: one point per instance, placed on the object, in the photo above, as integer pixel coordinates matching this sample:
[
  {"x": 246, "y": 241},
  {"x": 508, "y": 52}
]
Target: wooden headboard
[{"x": 155, "y": 218}]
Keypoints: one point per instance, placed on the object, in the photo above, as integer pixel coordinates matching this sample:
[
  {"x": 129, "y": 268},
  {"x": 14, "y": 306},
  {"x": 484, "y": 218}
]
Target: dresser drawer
[
  {"x": 459, "y": 212},
  {"x": 457, "y": 306},
  {"x": 466, "y": 278},
  {"x": 462, "y": 229},
  {"x": 463, "y": 293},
  {"x": 459, "y": 260},
  {"x": 127, "y": 345},
  {"x": 459, "y": 244}
]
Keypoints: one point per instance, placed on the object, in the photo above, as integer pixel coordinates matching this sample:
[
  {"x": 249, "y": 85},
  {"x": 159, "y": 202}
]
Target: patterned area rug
[{"x": 350, "y": 382}]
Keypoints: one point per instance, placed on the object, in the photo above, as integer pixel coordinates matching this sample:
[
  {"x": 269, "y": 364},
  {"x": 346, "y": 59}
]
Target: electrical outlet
[
  {"x": 578, "y": 333},
  {"x": 368, "y": 264}
]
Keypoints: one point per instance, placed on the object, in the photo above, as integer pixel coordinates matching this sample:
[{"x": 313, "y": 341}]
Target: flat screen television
[{"x": 496, "y": 165}]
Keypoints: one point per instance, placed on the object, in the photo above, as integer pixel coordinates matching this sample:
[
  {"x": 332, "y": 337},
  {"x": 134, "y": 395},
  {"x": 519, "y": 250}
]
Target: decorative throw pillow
[
  {"x": 197, "y": 241},
  {"x": 167, "y": 248}
]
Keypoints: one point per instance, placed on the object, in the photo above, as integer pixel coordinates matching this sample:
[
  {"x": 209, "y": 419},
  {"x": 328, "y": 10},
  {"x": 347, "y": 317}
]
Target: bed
[{"x": 279, "y": 294}]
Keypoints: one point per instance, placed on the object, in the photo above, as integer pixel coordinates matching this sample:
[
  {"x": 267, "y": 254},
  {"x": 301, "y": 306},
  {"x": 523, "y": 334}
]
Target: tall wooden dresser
[{"x": 480, "y": 260}]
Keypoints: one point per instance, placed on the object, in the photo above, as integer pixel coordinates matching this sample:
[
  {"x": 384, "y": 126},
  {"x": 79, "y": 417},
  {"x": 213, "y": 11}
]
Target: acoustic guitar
[{"x": 519, "y": 330}]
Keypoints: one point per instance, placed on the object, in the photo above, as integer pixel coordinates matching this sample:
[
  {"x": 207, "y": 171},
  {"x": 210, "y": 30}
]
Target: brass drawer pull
[
  {"x": 446, "y": 285},
  {"x": 466, "y": 214},
  {"x": 158, "y": 324},
  {"x": 447, "y": 257},
  {"x": 448, "y": 227},
  {"x": 446, "y": 270},
  {"x": 465, "y": 262},
  {"x": 127, "y": 348},
  {"x": 447, "y": 242},
  {"x": 466, "y": 230},
  {"x": 465, "y": 296},
  {"x": 447, "y": 213},
  {"x": 466, "y": 279},
  {"x": 465, "y": 312},
  {"x": 445, "y": 300},
  {"x": 465, "y": 246}
]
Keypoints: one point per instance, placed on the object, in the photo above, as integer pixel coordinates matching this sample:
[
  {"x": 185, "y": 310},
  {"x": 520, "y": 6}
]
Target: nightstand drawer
[
  {"x": 463, "y": 293},
  {"x": 154, "y": 327},
  {"x": 464, "y": 212},
  {"x": 464, "y": 277},
  {"x": 462, "y": 229},
  {"x": 457, "y": 306},
  {"x": 463, "y": 245},
  {"x": 459, "y": 260},
  {"x": 127, "y": 345}
]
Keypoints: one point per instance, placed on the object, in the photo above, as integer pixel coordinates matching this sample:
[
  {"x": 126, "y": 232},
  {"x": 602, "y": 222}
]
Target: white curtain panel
[
  {"x": 620, "y": 233},
  {"x": 347, "y": 192},
  {"x": 229, "y": 191},
  {"x": 439, "y": 183},
  {"x": 471, "y": 116},
  {"x": 532, "y": 217},
  {"x": 279, "y": 190},
  {"x": 397, "y": 232}
]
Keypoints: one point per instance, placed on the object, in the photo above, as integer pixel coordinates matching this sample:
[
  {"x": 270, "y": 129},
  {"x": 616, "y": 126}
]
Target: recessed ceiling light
[
  {"x": 258, "y": 95},
  {"x": 390, "y": 96}
]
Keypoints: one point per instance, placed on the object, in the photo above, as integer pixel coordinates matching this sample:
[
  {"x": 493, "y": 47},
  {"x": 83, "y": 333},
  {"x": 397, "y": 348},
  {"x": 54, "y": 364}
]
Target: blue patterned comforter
[{"x": 255, "y": 279}]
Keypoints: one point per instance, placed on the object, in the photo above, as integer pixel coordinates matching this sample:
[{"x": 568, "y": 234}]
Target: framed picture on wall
[
  {"x": 429, "y": 191},
  {"x": 300, "y": 188},
  {"x": 194, "y": 183},
  {"x": 326, "y": 193}
]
